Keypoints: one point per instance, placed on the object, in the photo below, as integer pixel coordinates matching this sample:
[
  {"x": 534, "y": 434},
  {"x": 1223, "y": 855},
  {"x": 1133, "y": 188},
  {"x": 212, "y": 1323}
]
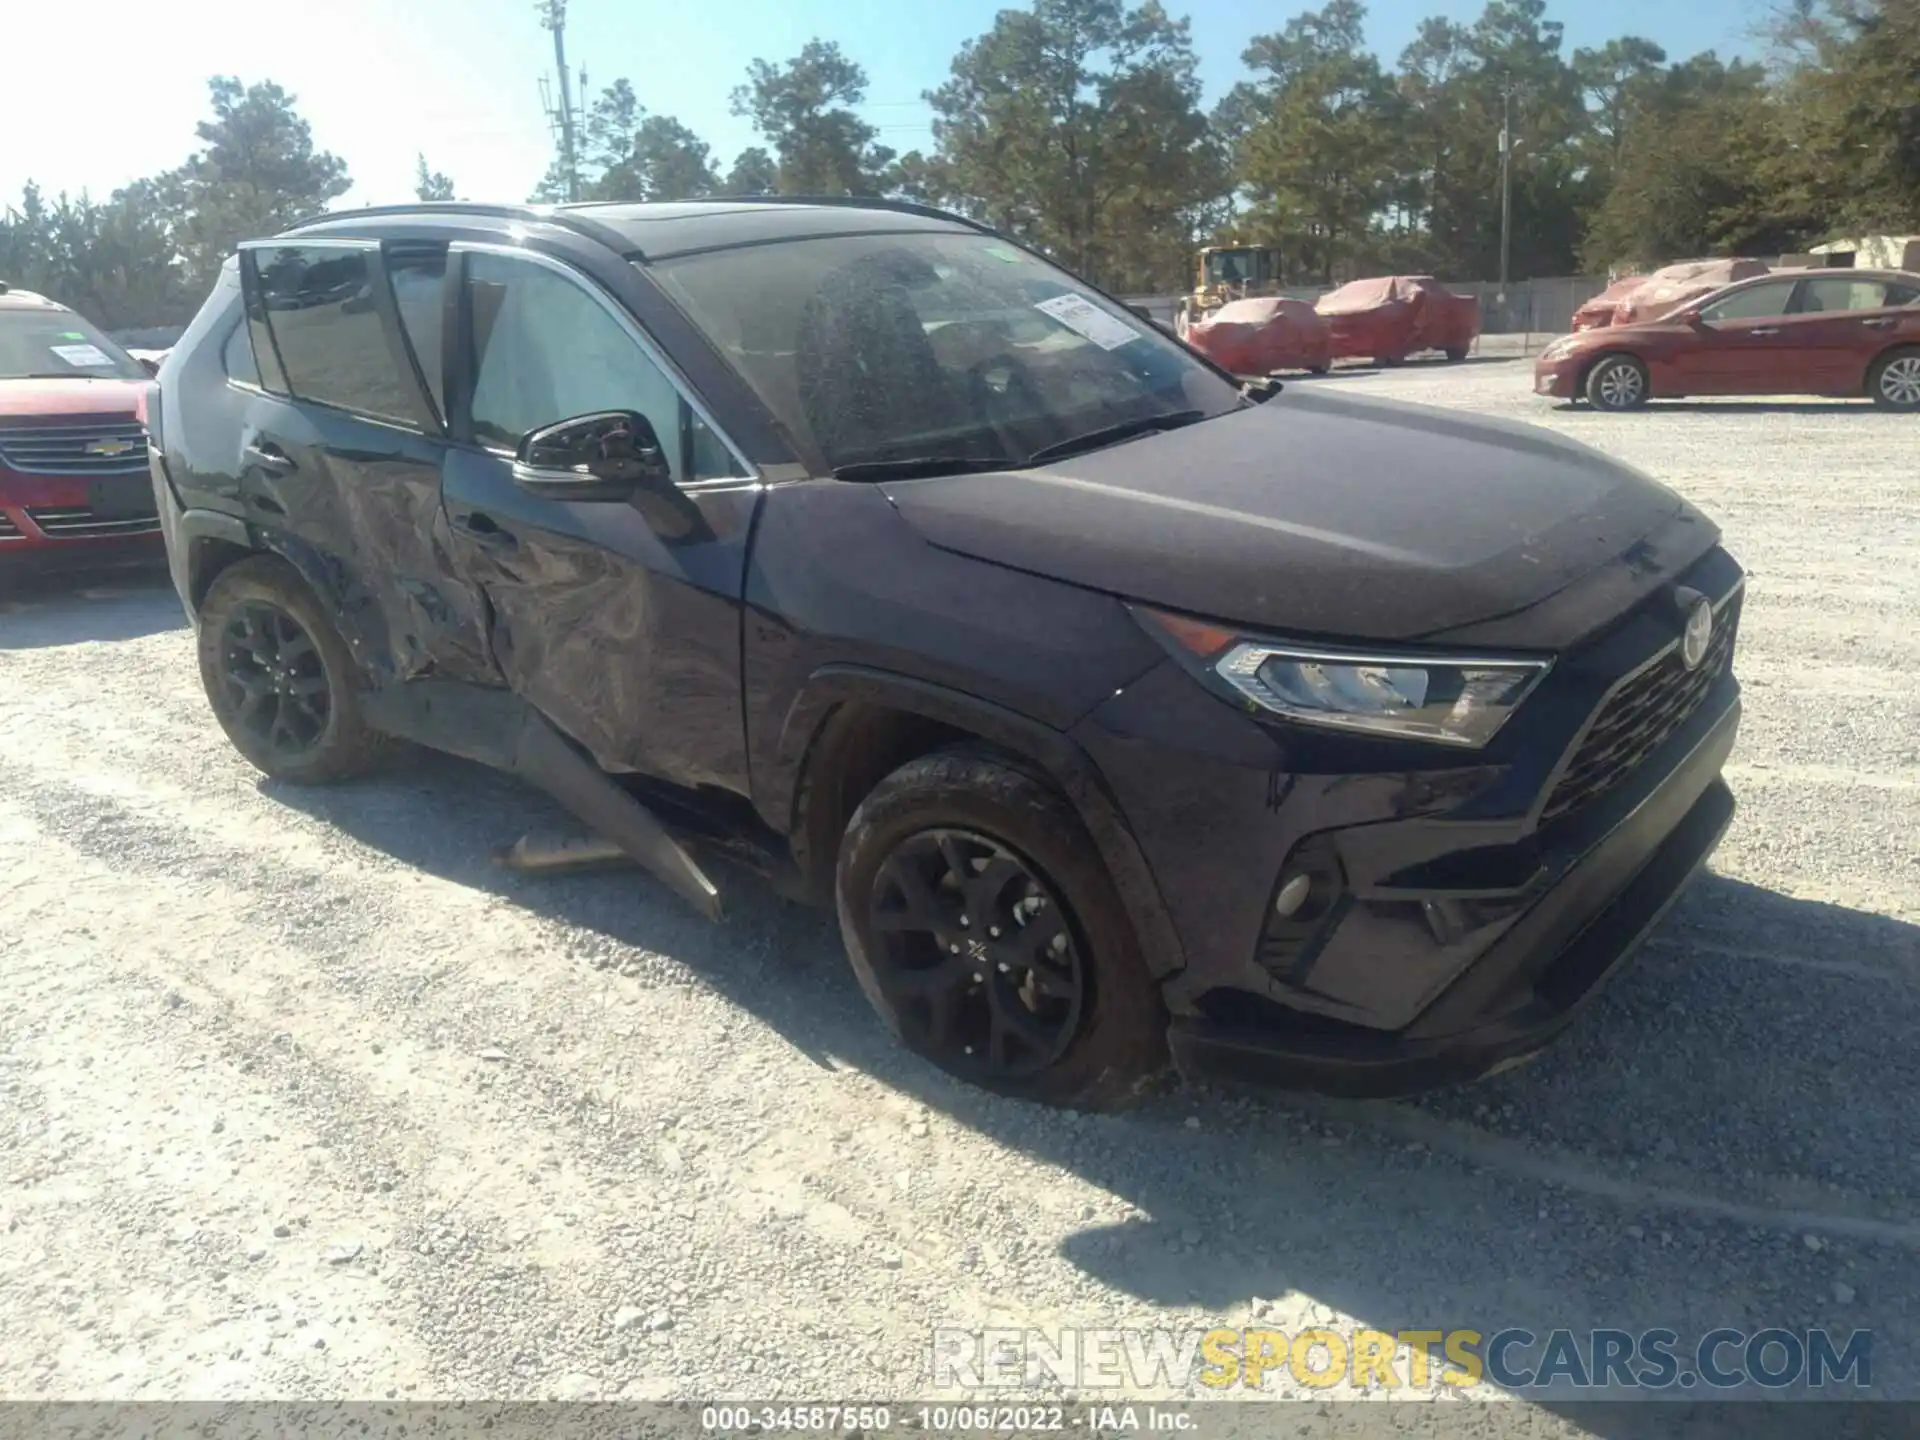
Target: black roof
[{"x": 656, "y": 231}]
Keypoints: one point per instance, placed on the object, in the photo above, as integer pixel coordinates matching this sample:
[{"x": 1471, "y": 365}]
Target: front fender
[{"x": 806, "y": 742}]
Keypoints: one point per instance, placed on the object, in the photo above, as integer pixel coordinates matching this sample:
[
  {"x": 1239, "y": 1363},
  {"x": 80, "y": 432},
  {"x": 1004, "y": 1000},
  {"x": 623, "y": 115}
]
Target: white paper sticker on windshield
[
  {"x": 1089, "y": 320},
  {"x": 81, "y": 355}
]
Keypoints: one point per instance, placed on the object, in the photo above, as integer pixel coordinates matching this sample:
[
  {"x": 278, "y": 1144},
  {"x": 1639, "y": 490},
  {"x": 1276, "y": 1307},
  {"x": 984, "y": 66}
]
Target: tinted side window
[
  {"x": 1760, "y": 302},
  {"x": 319, "y": 303},
  {"x": 417, "y": 278},
  {"x": 1902, "y": 294},
  {"x": 545, "y": 349},
  {"x": 1818, "y": 296},
  {"x": 236, "y": 356}
]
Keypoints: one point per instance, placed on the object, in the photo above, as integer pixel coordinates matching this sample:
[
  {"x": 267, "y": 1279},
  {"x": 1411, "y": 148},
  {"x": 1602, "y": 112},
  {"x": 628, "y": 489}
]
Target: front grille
[
  {"x": 75, "y": 521},
  {"x": 75, "y": 448},
  {"x": 9, "y": 530},
  {"x": 1638, "y": 717}
]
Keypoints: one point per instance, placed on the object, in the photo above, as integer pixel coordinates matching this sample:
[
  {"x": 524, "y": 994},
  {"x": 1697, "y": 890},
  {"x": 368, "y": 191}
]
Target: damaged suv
[{"x": 1122, "y": 712}]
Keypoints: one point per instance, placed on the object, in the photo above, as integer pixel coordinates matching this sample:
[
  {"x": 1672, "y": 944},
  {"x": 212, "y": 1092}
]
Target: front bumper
[
  {"x": 1558, "y": 378},
  {"x": 1524, "y": 990},
  {"x": 51, "y": 518},
  {"x": 1473, "y": 900}
]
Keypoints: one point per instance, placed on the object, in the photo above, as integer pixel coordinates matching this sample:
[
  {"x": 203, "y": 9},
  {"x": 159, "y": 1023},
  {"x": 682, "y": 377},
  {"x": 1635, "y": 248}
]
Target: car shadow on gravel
[
  {"x": 73, "y": 607},
  {"x": 1745, "y": 1086}
]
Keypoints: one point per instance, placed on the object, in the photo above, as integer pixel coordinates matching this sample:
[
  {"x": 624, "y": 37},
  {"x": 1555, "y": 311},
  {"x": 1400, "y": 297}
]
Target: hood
[
  {"x": 1623, "y": 329},
  {"x": 64, "y": 399},
  {"x": 1324, "y": 515}
]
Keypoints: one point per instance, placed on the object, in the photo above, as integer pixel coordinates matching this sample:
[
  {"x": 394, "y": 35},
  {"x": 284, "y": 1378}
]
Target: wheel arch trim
[
  {"x": 202, "y": 536},
  {"x": 1060, "y": 761}
]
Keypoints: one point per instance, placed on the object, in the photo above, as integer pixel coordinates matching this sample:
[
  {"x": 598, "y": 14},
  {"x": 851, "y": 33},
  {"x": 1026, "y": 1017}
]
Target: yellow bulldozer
[{"x": 1228, "y": 272}]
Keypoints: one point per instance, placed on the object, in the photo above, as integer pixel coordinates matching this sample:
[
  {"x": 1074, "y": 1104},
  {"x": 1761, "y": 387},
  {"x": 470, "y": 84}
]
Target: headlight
[
  {"x": 1560, "y": 349},
  {"x": 1450, "y": 700}
]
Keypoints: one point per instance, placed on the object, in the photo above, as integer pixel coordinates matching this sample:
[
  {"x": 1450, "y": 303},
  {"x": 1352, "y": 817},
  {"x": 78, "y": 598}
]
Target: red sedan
[
  {"x": 1262, "y": 335},
  {"x": 1809, "y": 332},
  {"x": 73, "y": 454},
  {"x": 1390, "y": 317}
]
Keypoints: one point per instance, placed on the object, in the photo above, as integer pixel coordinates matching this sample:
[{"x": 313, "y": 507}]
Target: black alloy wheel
[
  {"x": 276, "y": 682},
  {"x": 976, "y": 955},
  {"x": 282, "y": 683}
]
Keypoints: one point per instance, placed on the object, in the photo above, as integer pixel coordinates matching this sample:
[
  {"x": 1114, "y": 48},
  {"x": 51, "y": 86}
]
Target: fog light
[
  {"x": 1292, "y": 895},
  {"x": 1307, "y": 902}
]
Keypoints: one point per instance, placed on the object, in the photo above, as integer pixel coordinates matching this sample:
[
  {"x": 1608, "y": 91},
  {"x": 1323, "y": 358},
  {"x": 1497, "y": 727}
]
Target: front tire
[
  {"x": 1617, "y": 382},
  {"x": 1894, "y": 380},
  {"x": 1457, "y": 354},
  {"x": 280, "y": 679},
  {"x": 984, "y": 928}
]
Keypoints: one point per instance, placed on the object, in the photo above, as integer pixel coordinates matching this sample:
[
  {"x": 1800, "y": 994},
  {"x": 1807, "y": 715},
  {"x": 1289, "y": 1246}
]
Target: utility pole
[
  {"x": 553, "y": 16},
  {"x": 1506, "y": 179}
]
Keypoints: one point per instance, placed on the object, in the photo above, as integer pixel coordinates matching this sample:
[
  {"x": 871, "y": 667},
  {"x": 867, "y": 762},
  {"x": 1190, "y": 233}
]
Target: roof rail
[
  {"x": 571, "y": 216},
  {"x": 544, "y": 214},
  {"x": 864, "y": 202}
]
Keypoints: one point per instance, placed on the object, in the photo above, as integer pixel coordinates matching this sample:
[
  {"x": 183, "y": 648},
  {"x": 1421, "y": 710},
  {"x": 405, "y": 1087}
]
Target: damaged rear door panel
[
  {"x": 342, "y": 459},
  {"x": 618, "y": 620}
]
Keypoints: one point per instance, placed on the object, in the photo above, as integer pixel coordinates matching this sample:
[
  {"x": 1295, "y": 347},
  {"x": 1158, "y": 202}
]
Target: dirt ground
[{"x": 301, "y": 1097}]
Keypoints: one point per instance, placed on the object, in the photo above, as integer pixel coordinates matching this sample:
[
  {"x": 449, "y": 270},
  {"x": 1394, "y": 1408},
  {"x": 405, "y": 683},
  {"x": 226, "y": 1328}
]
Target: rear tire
[
  {"x": 1456, "y": 355},
  {"x": 281, "y": 681},
  {"x": 1894, "y": 380},
  {"x": 977, "y": 913},
  {"x": 1617, "y": 382},
  {"x": 1319, "y": 369}
]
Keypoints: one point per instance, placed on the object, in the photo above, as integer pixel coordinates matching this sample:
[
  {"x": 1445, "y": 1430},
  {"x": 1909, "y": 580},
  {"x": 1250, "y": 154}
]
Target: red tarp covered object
[
  {"x": 1259, "y": 336},
  {"x": 1603, "y": 309},
  {"x": 1667, "y": 289},
  {"x": 1390, "y": 317}
]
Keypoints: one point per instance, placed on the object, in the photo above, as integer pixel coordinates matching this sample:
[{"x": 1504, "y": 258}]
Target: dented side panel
[
  {"x": 620, "y": 622},
  {"x": 364, "y": 501}
]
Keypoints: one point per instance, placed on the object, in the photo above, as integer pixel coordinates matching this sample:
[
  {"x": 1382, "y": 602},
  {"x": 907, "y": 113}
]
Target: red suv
[{"x": 73, "y": 451}]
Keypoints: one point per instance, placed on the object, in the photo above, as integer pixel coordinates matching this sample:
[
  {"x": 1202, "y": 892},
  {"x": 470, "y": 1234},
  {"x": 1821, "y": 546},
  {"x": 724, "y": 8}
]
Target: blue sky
[{"x": 123, "y": 81}]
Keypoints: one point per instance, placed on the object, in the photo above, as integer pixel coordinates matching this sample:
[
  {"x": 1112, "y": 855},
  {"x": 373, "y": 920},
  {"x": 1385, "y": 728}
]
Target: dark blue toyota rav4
[{"x": 1123, "y": 710}]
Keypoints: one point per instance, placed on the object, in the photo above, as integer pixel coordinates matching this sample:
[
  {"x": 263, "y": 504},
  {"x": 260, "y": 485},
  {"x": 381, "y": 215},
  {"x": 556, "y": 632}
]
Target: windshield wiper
[
  {"x": 916, "y": 467},
  {"x": 1114, "y": 434},
  {"x": 60, "y": 375}
]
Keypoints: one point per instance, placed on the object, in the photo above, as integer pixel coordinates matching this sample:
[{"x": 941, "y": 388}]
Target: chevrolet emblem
[{"x": 108, "y": 448}]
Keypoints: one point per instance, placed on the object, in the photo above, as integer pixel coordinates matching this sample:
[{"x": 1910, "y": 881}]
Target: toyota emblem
[{"x": 1698, "y": 634}]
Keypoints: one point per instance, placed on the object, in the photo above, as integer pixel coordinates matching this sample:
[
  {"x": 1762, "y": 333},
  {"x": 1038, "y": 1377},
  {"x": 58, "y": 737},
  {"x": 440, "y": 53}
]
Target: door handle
[
  {"x": 269, "y": 457},
  {"x": 1764, "y": 330},
  {"x": 1885, "y": 322},
  {"x": 483, "y": 529}
]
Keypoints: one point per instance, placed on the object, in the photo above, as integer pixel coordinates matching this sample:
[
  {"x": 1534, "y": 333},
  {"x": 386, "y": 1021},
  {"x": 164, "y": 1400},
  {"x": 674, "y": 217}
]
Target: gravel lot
[{"x": 301, "y": 1097}]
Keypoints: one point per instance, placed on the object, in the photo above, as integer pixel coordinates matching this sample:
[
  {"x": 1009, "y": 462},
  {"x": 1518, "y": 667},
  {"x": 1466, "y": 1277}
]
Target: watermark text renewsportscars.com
[{"x": 1414, "y": 1361}]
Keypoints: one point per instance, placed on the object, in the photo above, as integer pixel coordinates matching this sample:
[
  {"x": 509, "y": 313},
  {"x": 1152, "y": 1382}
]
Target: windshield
[
  {"x": 1234, "y": 267},
  {"x": 933, "y": 345},
  {"x": 49, "y": 343}
]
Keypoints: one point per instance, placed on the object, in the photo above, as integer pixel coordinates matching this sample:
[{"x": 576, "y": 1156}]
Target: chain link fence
[{"x": 1531, "y": 312}]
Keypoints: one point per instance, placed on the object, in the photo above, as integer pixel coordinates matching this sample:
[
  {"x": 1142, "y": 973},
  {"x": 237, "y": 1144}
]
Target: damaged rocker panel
[{"x": 499, "y": 729}]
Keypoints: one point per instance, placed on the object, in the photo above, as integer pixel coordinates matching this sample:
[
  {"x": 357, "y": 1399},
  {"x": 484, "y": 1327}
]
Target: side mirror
[
  {"x": 611, "y": 455},
  {"x": 1689, "y": 316},
  {"x": 149, "y": 364}
]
